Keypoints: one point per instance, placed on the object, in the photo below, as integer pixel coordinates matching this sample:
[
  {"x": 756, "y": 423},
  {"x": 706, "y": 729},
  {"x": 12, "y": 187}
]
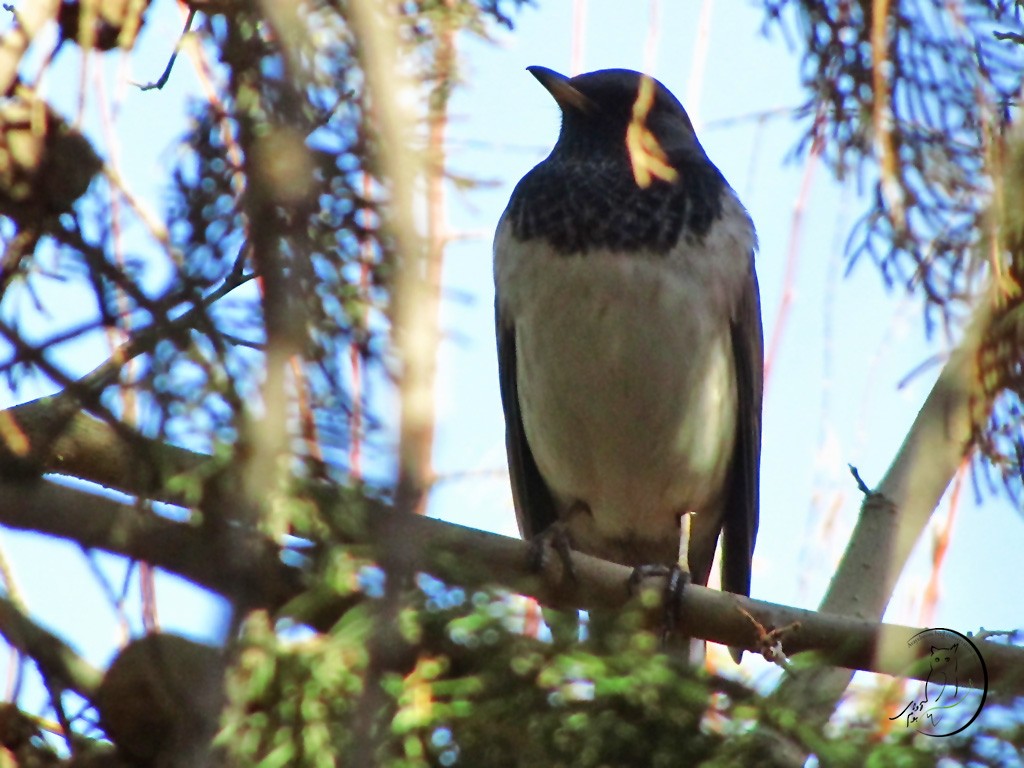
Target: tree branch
[
  {"x": 59, "y": 665},
  {"x": 45, "y": 436},
  {"x": 463, "y": 556},
  {"x": 230, "y": 560},
  {"x": 895, "y": 514}
]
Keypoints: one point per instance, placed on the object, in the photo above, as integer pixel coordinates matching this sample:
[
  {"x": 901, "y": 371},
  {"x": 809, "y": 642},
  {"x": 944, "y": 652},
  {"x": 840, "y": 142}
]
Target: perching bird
[{"x": 630, "y": 348}]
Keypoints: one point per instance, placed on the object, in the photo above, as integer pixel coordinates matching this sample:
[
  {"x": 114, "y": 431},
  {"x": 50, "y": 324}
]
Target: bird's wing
[
  {"x": 535, "y": 507},
  {"x": 741, "y": 511}
]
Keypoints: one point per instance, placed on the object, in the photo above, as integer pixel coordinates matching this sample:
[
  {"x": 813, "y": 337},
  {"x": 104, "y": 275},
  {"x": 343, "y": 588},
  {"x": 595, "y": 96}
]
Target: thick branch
[
  {"x": 226, "y": 559},
  {"x": 413, "y": 319},
  {"x": 44, "y": 435},
  {"x": 458, "y": 555},
  {"x": 895, "y": 515},
  {"x": 897, "y": 512},
  {"x": 413, "y": 331}
]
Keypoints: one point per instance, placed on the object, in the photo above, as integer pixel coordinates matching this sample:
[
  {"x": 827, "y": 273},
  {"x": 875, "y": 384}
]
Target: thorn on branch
[
  {"x": 861, "y": 485},
  {"x": 769, "y": 641},
  {"x": 983, "y": 634}
]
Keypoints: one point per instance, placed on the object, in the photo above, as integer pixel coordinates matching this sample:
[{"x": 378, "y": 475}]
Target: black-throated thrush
[{"x": 629, "y": 335}]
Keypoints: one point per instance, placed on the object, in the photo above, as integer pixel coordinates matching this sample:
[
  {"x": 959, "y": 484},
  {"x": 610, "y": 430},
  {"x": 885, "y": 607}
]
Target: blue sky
[{"x": 833, "y": 397}]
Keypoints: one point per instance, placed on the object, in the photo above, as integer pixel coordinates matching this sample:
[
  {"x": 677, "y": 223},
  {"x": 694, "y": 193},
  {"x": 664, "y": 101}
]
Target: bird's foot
[
  {"x": 556, "y": 537},
  {"x": 672, "y": 600}
]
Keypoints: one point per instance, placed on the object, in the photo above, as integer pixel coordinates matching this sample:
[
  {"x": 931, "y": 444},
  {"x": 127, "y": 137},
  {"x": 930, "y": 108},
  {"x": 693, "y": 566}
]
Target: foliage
[
  {"x": 916, "y": 98},
  {"x": 469, "y": 688}
]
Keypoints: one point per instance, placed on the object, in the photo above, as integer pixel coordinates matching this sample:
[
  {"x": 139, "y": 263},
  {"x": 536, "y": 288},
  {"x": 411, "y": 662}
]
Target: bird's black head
[
  {"x": 603, "y": 110},
  {"x": 626, "y": 174}
]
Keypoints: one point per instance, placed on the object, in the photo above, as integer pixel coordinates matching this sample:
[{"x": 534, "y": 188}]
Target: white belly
[{"x": 628, "y": 397}]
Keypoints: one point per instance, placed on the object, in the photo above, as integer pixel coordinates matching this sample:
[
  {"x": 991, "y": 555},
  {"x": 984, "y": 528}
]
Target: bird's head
[{"x": 619, "y": 111}]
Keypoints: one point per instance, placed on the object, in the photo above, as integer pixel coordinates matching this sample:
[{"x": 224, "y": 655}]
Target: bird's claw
[
  {"x": 672, "y": 600},
  {"x": 557, "y": 538},
  {"x": 677, "y": 581}
]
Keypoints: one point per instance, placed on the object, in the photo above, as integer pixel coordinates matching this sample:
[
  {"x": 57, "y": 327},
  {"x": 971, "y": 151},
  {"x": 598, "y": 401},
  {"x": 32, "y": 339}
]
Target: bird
[{"x": 630, "y": 346}]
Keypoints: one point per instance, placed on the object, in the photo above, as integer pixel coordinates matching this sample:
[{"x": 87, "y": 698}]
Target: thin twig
[{"x": 159, "y": 83}]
